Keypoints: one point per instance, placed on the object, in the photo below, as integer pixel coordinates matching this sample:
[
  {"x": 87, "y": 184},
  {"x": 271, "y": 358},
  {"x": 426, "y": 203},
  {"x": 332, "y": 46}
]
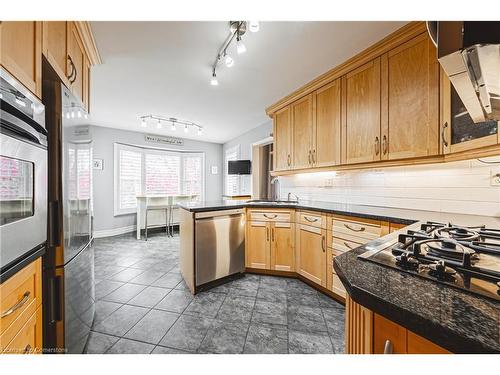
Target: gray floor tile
[
  {"x": 243, "y": 292},
  {"x": 276, "y": 284},
  {"x": 99, "y": 343},
  {"x": 295, "y": 298},
  {"x": 124, "y": 293},
  {"x": 175, "y": 301},
  {"x": 266, "y": 340},
  {"x": 182, "y": 286},
  {"x": 309, "y": 343},
  {"x": 126, "y": 275},
  {"x": 271, "y": 295},
  {"x": 153, "y": 326},
  {"x": 224, "y": 338},
  {"x": 164, "y": 350},
  {"x": 270, "y": 312},
  {"x": 124, "y": 346},
  {"x": 306, "y": 319},
  {"x": 149, "y": 297},
  {"x": 206, "y": 304},
  {"x": 236, "y": 309},
  {"x": 103, "y": 309},
  {"x": 119, "y": 322},
  {"x": 329, "y": 302},
  {"x": 187, "y": 333},
  {"x": 169, "y": 280},
  {"x": 147, "y": 277},
  {"x": 105, "y": 287},
  {"x": 335, "y": 320}
]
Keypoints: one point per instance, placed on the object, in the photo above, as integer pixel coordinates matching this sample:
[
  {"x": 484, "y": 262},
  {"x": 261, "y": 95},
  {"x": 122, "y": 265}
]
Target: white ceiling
[{"x": 164, "y": 68}]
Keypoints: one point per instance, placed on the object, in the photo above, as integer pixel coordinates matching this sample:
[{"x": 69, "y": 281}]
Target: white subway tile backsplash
[{"x": 458, "y": 187}]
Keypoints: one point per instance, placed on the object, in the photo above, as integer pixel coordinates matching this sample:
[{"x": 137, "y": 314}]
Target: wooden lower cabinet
[
  {"x": 311, "y": 253},
  {"x": 282, "y": 246},
  {"x": 370, "y": 333},
  {"x": 21, "y": 311},
  {"x": 257, "y": 245}
]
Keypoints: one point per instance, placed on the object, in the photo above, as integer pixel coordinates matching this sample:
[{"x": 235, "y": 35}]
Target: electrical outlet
[
  {"x": 495, "y": 178},
  {"x": 329, "y": 182}
]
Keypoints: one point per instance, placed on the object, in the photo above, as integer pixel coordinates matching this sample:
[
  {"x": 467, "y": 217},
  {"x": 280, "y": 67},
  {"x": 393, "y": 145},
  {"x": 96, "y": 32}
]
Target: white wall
[
  {"x": 103, "y": 181},
  {"x": 456, "y": 187},
  {"x": 245, "y": 141}
]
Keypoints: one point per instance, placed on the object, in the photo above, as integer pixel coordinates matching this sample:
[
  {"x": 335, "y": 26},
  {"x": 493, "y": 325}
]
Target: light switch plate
[
  {"x": 495, "y": 178},
  {"x": 214, "y": 169}
]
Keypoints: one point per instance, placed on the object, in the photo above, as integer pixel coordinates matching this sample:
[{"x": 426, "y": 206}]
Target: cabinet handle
[
  {"x": 361, "y": 229},
  {"x": 27, "y": 349},
  {"x": 323, "y": 240},
  {"x": 314, "y": 156},
  {"x": 272, "y": 234},
  {"x": 384, "y": 144},
  {"x": 17, "y": 306},
  {"x": 267, "y": 233},
  {"x": 348, "y": 246},
  {"x": 72, "y": 69},
  {"x": 271, "y": 216},
  {"x": 76, "y": 75},
  {"x": 288, "y": 160},
  {"x": 388, "y": 347},
  {"x": 377, "y": 145},
  {"x": 309, "y": 157},
  {"x": 443, "y": 136},
  {"x": 311, "y": 219}
]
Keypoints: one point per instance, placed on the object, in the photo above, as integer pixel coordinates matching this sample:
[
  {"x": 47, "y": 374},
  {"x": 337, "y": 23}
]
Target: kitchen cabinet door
[
  {"x": 419, "y": 345},
  {"x": 388, "y": 337},
  {"x": 283, "y": 246},
  {"x": 257, "y": 245},
  {"x": 326, "y": 150},
  {"x": 282, "y": 134},
  {"x": 410, "y": 91},
  {"x": 76, "y": 62},
  {"x": 302, "y": 132},
  {"x": 55, "y": 47},
  {"x": 361, "y": 114},
  {"x": 21, "y": 52},
  {"x": 311, "y": 257}
]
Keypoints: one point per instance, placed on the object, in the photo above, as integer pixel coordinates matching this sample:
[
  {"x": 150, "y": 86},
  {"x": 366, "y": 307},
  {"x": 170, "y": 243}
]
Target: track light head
[
  {"x": 240, "y": 47},
  {"x": 158, "y": 125},
  {"x": 143, "y": 123},
  {"x": 214, "y": 81},
  {"x": 173, "y": 127},
  {"x": 228, "y": 60}
]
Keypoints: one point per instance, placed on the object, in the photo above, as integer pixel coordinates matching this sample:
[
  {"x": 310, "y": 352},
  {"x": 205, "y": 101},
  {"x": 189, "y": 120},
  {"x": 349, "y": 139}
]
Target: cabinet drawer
[
  {"x": 388, "y": 336},
  {"x": 270, "y": 216},
  {"x": 340, "y": 245},
  {"x": 311, "y": 218},
  {"x": 418, "y": 345},
  {"x": 357, "y": 231},
  {"x": 19, "y": 294},
  {"x": 28, "y": 339}
]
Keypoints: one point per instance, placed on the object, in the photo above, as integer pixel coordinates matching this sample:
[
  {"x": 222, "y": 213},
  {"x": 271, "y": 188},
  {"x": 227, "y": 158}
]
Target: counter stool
[{"x": 161, "y": 204}]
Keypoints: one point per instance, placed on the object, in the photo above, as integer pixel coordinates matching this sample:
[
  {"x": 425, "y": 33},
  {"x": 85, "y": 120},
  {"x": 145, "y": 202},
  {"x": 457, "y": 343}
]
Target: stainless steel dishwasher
[{"x": 219, "y": 244}]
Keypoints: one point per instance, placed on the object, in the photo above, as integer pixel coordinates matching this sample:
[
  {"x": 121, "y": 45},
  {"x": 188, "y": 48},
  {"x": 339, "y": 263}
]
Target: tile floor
[{"x": 143, "y": 306}]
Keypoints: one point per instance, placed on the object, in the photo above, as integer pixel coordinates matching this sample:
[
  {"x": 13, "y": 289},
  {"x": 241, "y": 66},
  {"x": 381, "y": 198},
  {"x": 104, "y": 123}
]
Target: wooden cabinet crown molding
[
  {"x": 394, "y": 39},
  {"x": 88, "y": 41}
]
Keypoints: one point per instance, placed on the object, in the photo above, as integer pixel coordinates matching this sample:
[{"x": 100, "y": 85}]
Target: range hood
[{"x": 469, "y": 53}]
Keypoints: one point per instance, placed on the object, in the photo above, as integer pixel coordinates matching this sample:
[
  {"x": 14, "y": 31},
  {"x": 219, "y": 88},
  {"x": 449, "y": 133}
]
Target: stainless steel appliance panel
[{"x": 219, "y": 247}]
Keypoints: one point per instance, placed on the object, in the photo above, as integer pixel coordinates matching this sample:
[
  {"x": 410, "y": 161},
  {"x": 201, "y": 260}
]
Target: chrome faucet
[
  {"x": 275, "y": 189},
  {"x": 295, "y": 199}
]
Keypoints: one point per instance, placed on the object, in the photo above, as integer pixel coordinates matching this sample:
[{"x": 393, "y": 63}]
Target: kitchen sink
[{"x": 265, "y": 201}]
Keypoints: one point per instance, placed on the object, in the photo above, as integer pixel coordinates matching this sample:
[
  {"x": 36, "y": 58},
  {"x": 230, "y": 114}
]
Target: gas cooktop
[{"x": 467, "y": 258}]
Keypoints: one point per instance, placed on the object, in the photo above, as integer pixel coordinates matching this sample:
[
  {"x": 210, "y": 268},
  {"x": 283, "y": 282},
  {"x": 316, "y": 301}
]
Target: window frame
[
  {"x": 237, "y": 150},
  {"x": 117, "y": 147}
]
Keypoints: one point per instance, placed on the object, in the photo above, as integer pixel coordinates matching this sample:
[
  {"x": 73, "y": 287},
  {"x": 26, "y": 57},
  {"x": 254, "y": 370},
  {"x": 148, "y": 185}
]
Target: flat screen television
[{"x": 239, "y": 167}]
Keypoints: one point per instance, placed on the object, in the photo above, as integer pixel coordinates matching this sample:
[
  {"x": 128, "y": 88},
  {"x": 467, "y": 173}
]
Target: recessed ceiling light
[{"x": 253, "y": 26}]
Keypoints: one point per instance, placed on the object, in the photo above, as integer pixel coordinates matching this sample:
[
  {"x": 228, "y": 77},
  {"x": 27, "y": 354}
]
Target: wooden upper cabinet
[
  {"x": 302, "y": 125},
  {"x": 21, "y": 52},
  {"x": 311, "y": 253},
  {"x": 282, "y": 139},
  {"x": 361, "y": 114},
  {"x": 76, "y": 62},
  {"x": 258, "y": 245},
  {"x": 410, "y": 93},
  {"x": 55, "y": 47},
  {"x": 326, "y": 150},
  {"x": 283, "y": 246}
]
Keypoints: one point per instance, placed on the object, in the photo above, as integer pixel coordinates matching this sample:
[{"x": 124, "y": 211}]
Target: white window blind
[
  {"x": 130, "y": 178},
  {"x": 232, "y": 181},
  {"x": 148, "y": 171}
]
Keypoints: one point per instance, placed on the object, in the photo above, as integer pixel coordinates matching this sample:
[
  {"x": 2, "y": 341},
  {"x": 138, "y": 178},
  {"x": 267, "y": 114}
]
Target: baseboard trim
[{"x": 114, "y": 232}]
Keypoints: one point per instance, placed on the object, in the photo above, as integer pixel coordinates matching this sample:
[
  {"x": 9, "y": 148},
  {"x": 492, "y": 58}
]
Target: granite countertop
[{"x": 456, "y": 320}]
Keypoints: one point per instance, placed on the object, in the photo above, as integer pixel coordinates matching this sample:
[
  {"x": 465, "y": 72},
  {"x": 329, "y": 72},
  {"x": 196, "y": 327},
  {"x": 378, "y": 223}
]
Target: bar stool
[
  {"x": 160, "y": 203},
  {"x": 175, "y": 200}
]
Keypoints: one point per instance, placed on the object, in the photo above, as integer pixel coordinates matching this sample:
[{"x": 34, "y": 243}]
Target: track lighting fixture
[
  {"x": 173, "y": 123},
  {"x": 236, "y": 30}
]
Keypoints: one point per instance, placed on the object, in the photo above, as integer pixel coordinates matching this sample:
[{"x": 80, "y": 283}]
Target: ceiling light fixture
[
  {"x": 236, "y": 30},
  {"x": 173, "y": 121},
  {"x": 73, "y": 110}
]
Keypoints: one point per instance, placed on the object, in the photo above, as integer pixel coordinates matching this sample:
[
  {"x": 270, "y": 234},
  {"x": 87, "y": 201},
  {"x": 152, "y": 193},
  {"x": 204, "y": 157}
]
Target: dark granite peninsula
[{"x": 446, "y": 318}]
